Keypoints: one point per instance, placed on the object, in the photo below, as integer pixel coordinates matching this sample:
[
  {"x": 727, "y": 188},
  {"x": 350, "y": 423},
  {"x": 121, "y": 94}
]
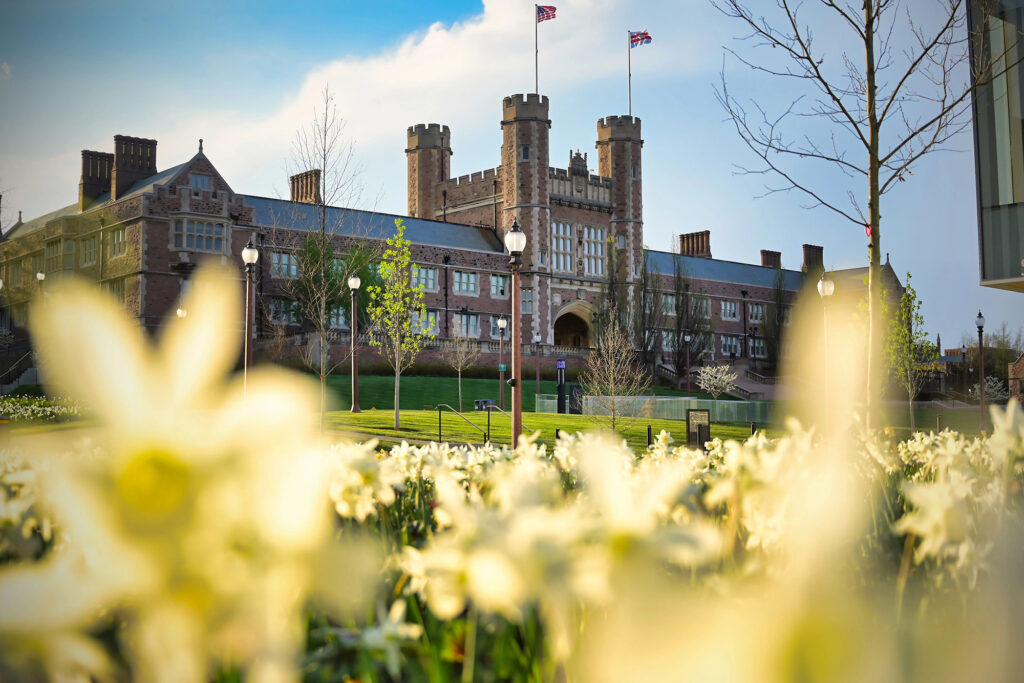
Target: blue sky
[{"x": 245, "y": 75}]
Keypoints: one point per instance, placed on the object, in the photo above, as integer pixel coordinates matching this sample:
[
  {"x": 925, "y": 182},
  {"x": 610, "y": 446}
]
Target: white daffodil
[
  {"x": 389, "y": 635},
  {"x": 207, "y": 520}
]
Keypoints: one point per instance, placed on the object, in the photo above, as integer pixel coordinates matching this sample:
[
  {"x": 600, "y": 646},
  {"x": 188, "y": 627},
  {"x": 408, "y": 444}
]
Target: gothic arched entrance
[{"x": 572, "y": 325}]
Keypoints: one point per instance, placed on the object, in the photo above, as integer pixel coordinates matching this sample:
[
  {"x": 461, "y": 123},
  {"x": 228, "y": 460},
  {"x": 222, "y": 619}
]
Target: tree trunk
[
  {"x": 323, "y": 379},
  {"x": 398, "y": 376},
  {"x": 874, "y": 218},
  {"x": 460, "y": 389},
  {"x": 910, "y": 401}
]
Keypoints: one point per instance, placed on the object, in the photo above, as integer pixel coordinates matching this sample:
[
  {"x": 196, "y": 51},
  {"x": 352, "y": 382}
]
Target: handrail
[
  {"x": 505, "y": 412},
  {"x": 758, "y": 377},
  {"x": 445, "y": 405},
  {"x": 13, "y": 366}
]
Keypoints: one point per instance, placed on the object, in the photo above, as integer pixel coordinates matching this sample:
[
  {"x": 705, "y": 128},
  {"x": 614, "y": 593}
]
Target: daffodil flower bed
[
  {"x": 35, "y": 409},
  {"x": 206, "y": 531}
]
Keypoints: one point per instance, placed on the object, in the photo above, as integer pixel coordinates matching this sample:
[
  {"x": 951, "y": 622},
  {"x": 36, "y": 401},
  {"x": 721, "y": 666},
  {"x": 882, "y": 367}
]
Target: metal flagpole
[
  {"x": 629, "y": 70},
  {"x": 536, "y": 52}
]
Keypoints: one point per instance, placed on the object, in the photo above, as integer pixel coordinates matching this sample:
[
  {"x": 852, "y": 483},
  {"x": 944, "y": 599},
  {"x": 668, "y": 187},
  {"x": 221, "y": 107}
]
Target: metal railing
[
  {"x": 440, "y": 412},
  {"x": 7, "y": 378},
  {"x": 758, "y": 377}
]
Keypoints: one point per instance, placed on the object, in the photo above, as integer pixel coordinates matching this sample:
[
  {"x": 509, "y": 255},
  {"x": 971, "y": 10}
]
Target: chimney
[
  {"x": 306, "y": 187},
  {"x": 814, "y": 258},
  {"x": 696, "y": 244},
  {"x": 771, "y": 259},
  {"x": 96, "y": 171},
  {"x": 134, "y": 160}
]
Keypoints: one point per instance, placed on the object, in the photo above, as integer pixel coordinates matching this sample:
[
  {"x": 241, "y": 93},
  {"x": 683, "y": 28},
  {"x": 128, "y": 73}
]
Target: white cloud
[{"x": 5, "y": 71}]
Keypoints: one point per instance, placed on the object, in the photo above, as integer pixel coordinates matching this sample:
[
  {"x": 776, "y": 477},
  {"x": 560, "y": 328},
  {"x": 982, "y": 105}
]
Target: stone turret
[
  {"x": 428, "y": 151},
  {"x": 619, "y": 143}
]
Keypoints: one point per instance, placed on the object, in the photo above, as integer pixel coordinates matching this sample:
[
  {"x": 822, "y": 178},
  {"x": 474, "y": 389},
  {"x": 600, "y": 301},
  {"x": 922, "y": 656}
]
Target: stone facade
[{"x": 132, "y": 230}]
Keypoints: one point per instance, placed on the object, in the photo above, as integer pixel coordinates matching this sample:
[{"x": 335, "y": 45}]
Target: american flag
[
  {"x": 638, "y": 38},
  {"x": 545, "y": 12}
]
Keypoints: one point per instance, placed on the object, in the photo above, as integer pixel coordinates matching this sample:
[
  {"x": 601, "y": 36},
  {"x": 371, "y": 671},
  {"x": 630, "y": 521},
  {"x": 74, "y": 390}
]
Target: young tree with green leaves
[
  {"x": 397, "y": 312},
  {"x": 908, "y": 348}
]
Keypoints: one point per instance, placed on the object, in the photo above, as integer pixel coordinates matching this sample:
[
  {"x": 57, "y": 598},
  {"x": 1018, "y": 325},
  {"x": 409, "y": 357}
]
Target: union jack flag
[
  {"x": 545, "y": 12},
  {"x": 638, "y": 38}
]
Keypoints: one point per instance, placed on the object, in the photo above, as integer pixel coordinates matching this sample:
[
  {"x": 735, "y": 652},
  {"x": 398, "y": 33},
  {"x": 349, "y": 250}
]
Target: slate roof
[
  {"x": 140, "y": 187},
  {"x": 282, "y": 213},
  {"x": 663, "y": 262}
]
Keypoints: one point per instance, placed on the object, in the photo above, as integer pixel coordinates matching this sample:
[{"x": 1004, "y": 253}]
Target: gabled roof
[
  {"x": 286, "y": 214},
  {"x": 141, "y": 187},
  {"x": 664, "y": 263}
]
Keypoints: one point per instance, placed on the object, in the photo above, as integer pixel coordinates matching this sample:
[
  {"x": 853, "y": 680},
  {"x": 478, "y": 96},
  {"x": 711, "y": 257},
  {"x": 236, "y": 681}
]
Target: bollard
[
  {"x": 439, "y": 424},
  {"x": 649, "y": 439},
  {"x": 938, "y": 422},
  {"x": 488, "y": 424},
  {"x": 753, "y": 428},
  {"x": 558, "y": 433}
]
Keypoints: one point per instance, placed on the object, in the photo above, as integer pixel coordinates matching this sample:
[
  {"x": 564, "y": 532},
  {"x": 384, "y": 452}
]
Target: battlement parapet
[
  {"x": 529, "y": 107},
  {"x": 592, "y": 179},
  {"x": 488, "y": 175},
  {"x": 428, "y": 135},
  {"x": 618, "y": 128}
]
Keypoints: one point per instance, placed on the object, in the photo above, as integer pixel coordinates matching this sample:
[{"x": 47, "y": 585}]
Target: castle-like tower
[
  {"x": 577, "y": 223},
  {"x": 618, "y": 147},
  {"x": 429, "y": 155}
]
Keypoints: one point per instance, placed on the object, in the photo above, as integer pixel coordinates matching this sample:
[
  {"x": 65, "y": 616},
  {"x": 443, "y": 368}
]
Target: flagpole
[
  {"x": 629, "y": 71},
  {"x": 536, "y": 53}
]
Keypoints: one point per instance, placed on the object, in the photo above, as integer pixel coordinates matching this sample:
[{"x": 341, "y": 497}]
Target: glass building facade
[{"x": 997, "y": 52}]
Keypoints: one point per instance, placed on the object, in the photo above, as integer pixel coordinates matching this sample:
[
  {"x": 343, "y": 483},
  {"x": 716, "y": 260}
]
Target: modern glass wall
[{"x": 997, "y": 52}]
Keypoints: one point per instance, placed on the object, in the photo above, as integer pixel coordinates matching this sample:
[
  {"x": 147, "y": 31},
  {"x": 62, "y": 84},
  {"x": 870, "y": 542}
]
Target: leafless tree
[
  {"x": 313, "y": 230},
  {"x": 691, "y": 319},
  {"x": 868, "y": 120},
  {"x": 614, "y": 376},
  {"x": 460, "y": 352},
  {"x": 648, "y": 319}
]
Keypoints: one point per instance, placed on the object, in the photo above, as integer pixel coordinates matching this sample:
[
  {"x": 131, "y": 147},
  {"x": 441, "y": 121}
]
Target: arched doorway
[{"x": 572, "y": 330}]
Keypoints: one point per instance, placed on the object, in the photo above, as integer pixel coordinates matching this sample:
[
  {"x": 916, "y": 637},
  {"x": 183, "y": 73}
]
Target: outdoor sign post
[
  {"x": 560, "y": 367},
  {"x": 698, "y": 427}
]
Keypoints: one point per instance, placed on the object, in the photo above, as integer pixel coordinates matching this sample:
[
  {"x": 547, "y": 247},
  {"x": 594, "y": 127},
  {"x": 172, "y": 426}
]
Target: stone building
[{"x": 139, "y": 232}]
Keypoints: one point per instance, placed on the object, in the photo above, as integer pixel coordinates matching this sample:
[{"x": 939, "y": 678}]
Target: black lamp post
[
  {"x": 980, "y": 322},
  {"x": 826, "y": 287},
  {"x": 687, "y": 338},
  {"x": 353, "y": 285},
  {"x": 250, "y": 255},
  {"x": 515, "y": 242},
  {"x": 502, "y": 324}
]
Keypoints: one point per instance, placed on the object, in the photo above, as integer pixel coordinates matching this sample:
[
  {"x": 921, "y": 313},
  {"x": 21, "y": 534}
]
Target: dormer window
[{"x": 199, "y": 181}]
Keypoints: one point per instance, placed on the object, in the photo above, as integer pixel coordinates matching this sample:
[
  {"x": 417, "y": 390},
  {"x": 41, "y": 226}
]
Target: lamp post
[
  {"x": 249, "y": 256},
  {"x": 536, "y": 361},
  {"x": 515, "y": 242},
  {"x": 353, "y": 286},
  {"x": 963, "y": 369},
  {"x": 826, "y": 287},
  {"x": 502, "y": 324},
  {"x": 687, "y": 338},
  {"x": 980, "y": 322}
]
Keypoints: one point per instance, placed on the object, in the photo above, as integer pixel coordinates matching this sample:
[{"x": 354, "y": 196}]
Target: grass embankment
[
  {"x": 378, "y": 391},
  {"x": 422, "y": 424}
]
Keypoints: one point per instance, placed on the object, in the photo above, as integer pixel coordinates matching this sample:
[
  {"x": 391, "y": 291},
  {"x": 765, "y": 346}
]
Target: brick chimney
[
  {"x": 771, "y": 259},
  {"x": 306, "y": 187},
  {"x": 134, "y": 160},
  {"x": 814, "y": 258},
  {"x": 96, "y": 171},
  {"x": 696, "y": 244}
]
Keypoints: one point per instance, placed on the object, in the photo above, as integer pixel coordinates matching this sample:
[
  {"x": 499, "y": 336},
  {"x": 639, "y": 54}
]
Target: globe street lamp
[
  {"x": 826, "y": 287},
  {"x": 687, "y": 338},
  {"x": 515, "y": 242},
  {"x": 353, "y": 285},
  {"x": 980, "y": 322},
  {"x": 502, "y": 324},
  {"x": 250, "y": 255},
  {"x": 181, "y": 312}
]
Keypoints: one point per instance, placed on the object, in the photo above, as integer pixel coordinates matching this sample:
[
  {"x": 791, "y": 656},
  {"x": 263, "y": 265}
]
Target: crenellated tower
[
  {"x": 618, "y": 147},
  {"x": 524, "y": 178},
  {"x": 429, "y": 154}
]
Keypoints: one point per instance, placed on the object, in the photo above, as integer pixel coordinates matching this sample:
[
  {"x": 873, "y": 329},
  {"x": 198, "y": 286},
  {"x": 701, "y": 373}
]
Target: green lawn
[
  {"x": 422, "y": 424},
  {"x": 377, "y": 391}
]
